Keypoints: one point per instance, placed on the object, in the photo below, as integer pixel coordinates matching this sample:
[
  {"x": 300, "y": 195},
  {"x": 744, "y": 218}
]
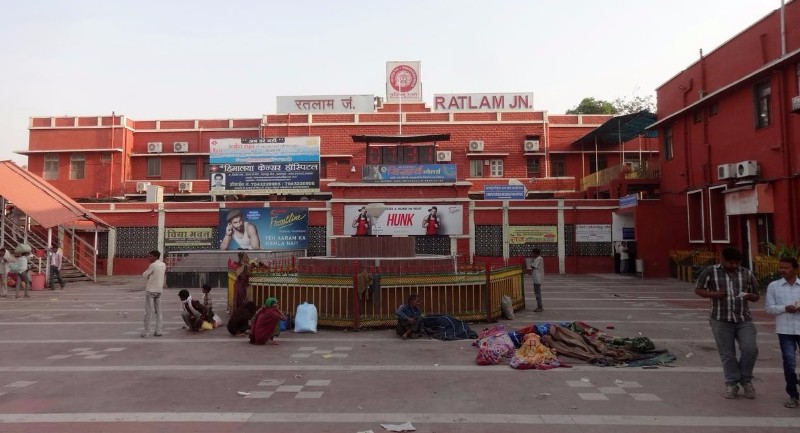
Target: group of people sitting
[{"x": 262, "y": 324}]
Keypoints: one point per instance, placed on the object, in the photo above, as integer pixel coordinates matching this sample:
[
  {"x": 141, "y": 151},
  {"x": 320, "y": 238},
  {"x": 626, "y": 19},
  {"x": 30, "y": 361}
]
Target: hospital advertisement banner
[
  {"x": 403, "y": 82},
  {"x": 532, "y": 234},
  {"x": 277, "y": 165},
  {"x": 408, "y": 173},
  {"x": 263, "y": 228},
  {"x": 404, "y": 220}
]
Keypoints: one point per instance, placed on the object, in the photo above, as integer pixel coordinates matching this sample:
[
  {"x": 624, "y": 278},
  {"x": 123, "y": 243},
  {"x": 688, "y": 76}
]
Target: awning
[
  {"x": 619, "y": 129},
  {"x": 400, "y": 139},
  {"x": 44, "y": 203}
]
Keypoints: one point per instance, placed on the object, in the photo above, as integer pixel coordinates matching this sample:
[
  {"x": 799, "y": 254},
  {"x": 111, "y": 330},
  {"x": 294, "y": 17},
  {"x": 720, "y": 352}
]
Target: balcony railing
[{"x": 645, "y": 170}]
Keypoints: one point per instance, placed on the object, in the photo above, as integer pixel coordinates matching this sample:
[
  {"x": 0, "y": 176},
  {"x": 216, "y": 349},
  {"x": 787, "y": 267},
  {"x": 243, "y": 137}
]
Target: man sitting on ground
[
  {"x": 409, "y": 318},
  {"x": 192, "y": 311}
]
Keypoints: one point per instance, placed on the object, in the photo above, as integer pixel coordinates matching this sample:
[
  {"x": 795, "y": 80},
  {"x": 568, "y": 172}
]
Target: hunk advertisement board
[
  {"x": 405, "y": 220},
  {"x": 278, "y": 165},
  {"x": 263, "y": 228}
]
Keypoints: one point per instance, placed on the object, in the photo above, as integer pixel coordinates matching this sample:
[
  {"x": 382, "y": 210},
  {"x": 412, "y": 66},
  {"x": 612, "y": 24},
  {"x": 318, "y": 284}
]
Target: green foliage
[
  {"x": 635, "y": 104},
  {"x": 782, "y": 250},
  {"x": 593, "y": 106}
]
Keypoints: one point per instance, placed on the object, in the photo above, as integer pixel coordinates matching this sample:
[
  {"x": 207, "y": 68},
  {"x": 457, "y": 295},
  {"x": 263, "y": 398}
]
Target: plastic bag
[
  {"x": 217, "y": 320},
  {"x": 305, "y": 318},
  {"x": 507, "y": 307},
  {"x": 207, "y": 326}
]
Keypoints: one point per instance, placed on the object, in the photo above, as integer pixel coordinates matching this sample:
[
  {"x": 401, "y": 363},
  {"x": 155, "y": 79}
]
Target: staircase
[{"x": 69, "y": 272}]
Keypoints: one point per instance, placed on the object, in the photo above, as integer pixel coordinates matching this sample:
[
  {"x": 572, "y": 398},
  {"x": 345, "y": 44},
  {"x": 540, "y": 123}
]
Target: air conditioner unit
[
  {"x": 154, "y": 147},
  {"x": 796, "y": 104},
  {"x": 476, "y": 146},
  {"x": 180, "y": 146},
  {"x": 444, "y": 156},
  {"x": 726, "y": 171},
  {"x": 184, "y": 186},
  {"x": 747, "y": 168},
  {"x": 531, "y": 145},
  {"x": 142, "y": 186}
]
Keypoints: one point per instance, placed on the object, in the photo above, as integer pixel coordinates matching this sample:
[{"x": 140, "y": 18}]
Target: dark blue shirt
[{"x": 406, "y": 312}]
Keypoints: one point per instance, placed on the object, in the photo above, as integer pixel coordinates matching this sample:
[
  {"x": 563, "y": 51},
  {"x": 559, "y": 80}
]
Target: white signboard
[
  {"x": 403, "y": 82},
  {"x": 406, "y": 220},
  {"x": 593, "y": 232},
  {"x": 326, "y": 104},
  {"x": 483, "y": 102}
]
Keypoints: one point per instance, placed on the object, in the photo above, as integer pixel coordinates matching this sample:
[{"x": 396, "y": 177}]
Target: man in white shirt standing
[
  {"x": 537, "y": 269},
  {"x": 56, "y": 259},
  {"x": 155, "y": 286},
  {"x": 783, "y": 301}
]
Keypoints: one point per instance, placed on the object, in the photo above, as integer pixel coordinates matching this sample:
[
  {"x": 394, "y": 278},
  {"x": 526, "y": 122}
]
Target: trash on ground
[
  {"x": 543, "y": 395},
  {"x": 242, "y": 393},
  {"x": 406, "y": 426},
  {"x": 690, "y": 354}
]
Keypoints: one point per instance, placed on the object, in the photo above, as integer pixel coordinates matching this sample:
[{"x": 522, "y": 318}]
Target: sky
[{"x": 198, "y": 59}]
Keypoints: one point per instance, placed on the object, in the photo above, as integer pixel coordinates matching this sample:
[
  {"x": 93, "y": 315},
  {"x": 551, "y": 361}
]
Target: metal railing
[
  {"x": 472, "y": 296},
  {"x": 645, "y": 170}
]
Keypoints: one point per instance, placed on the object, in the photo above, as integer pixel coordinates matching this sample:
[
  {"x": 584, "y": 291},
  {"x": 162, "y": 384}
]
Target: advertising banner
[
  {"x": 406, "y": 220},
  {"x": 403, "y": 82},
  {"x": 189, "y": 237},
  {"x": 326, "y": 104},
  {"x": 532, "y": 234},
  {"x": 278, "y": 165},
  {"x": 263, "y": 228},
  {"x": 409, "y": 173},
  {"x": 593, "y": 232}
]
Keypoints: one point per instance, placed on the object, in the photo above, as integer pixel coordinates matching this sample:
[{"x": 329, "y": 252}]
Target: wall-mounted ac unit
[
  {"x": 184, "y": 186},
  {"x": 142, "y": 186},
  {"x": 531, "y": 146},
  {"x": 726, "y": 171},
  {"x": 154, "y": 147},
  {"x": 747, "y": 168},
  {"x": 796, "y": 104},
  {"x": 444, "y": 156},
  {"x": 180, "y": 146},
  {"x": 476, "y": 146}
]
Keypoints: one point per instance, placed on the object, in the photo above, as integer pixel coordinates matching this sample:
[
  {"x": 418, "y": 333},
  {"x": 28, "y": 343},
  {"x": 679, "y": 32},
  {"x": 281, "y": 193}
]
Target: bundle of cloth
[
  {"x": 446, "y": 328},
  {"x": 538, "y": 347}
]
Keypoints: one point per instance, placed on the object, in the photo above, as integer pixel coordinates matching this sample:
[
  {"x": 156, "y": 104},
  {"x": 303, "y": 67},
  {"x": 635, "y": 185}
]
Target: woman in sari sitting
[{"x": 266, "y": 323}]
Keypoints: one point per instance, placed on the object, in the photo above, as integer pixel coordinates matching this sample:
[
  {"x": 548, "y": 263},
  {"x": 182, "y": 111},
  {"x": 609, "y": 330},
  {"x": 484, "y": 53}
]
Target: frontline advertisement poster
[
  {"x": 404, "y": 220},
  {"x": 263, "y": 228},
  {"x": 278, "y": 165}
]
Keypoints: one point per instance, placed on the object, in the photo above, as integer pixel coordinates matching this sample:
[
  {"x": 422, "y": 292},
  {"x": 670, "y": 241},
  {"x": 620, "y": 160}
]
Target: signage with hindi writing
[
  {"x": 189, "y": 237},
  {"x": 403, "y": 82},
  {"x": 630, "y": 200},
  {"x": 326, "y": 104},
  {"x": 278, "y": 165},
  {"x": 504, "y": 192},
  {"x": 532, "y": 234},
  {"x": 406, "y": 220},
  {"x": 263, "y": 228},
  {"x": 483, "y": 102},
  {"x": 409, "y": 173},
  {"x": 593, "y": 232}
]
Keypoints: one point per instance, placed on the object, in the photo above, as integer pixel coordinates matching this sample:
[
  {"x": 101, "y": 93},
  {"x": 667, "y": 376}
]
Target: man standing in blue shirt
[
  {"x": 730, "y": 287},
  {"x": 783, "y": 301}
]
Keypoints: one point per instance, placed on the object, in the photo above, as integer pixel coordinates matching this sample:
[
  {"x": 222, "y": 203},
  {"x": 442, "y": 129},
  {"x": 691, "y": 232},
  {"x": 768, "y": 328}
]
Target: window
[
  {"x": 105, "y": 158},
  {"x": 407, "y": 155},
  {"x": 597, "y": 163},
  {"x": 426, "y": 154},
  {"x": 558, "y": 167},
  {"x": 496, "y": 168},
  {"x": 50, "y": 166},
  {"x": 668, "y": 144},
  {"x": 153, "y": 167},
  {"x": 188, "y": 168},
  {"x": 77, "y": 166},
  {"x": 533, "y": 167},
  {"x": 698, "y": 116},
  {"x": 476, "y": 168},
  {"x": 388, "y": 155},
  {"x": 695, "y": 215},
  {"x": 718, "y": 220},
  {"x": 206, "y": 169},
  {"x": 761, "y": 94}
]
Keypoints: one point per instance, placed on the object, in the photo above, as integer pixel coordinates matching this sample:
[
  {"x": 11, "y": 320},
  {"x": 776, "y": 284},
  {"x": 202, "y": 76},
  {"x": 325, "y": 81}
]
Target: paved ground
[{"x": 73, "y": 361}]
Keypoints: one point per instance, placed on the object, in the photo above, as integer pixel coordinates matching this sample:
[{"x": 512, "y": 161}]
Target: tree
[
  {"x": 635, "y": 104},
  {"x": 594, "y": 106}
]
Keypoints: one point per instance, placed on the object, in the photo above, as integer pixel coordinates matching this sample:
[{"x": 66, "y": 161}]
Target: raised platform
[
  {"x": 374, "y": 246},
  {"x": 423, "y": 264}
]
